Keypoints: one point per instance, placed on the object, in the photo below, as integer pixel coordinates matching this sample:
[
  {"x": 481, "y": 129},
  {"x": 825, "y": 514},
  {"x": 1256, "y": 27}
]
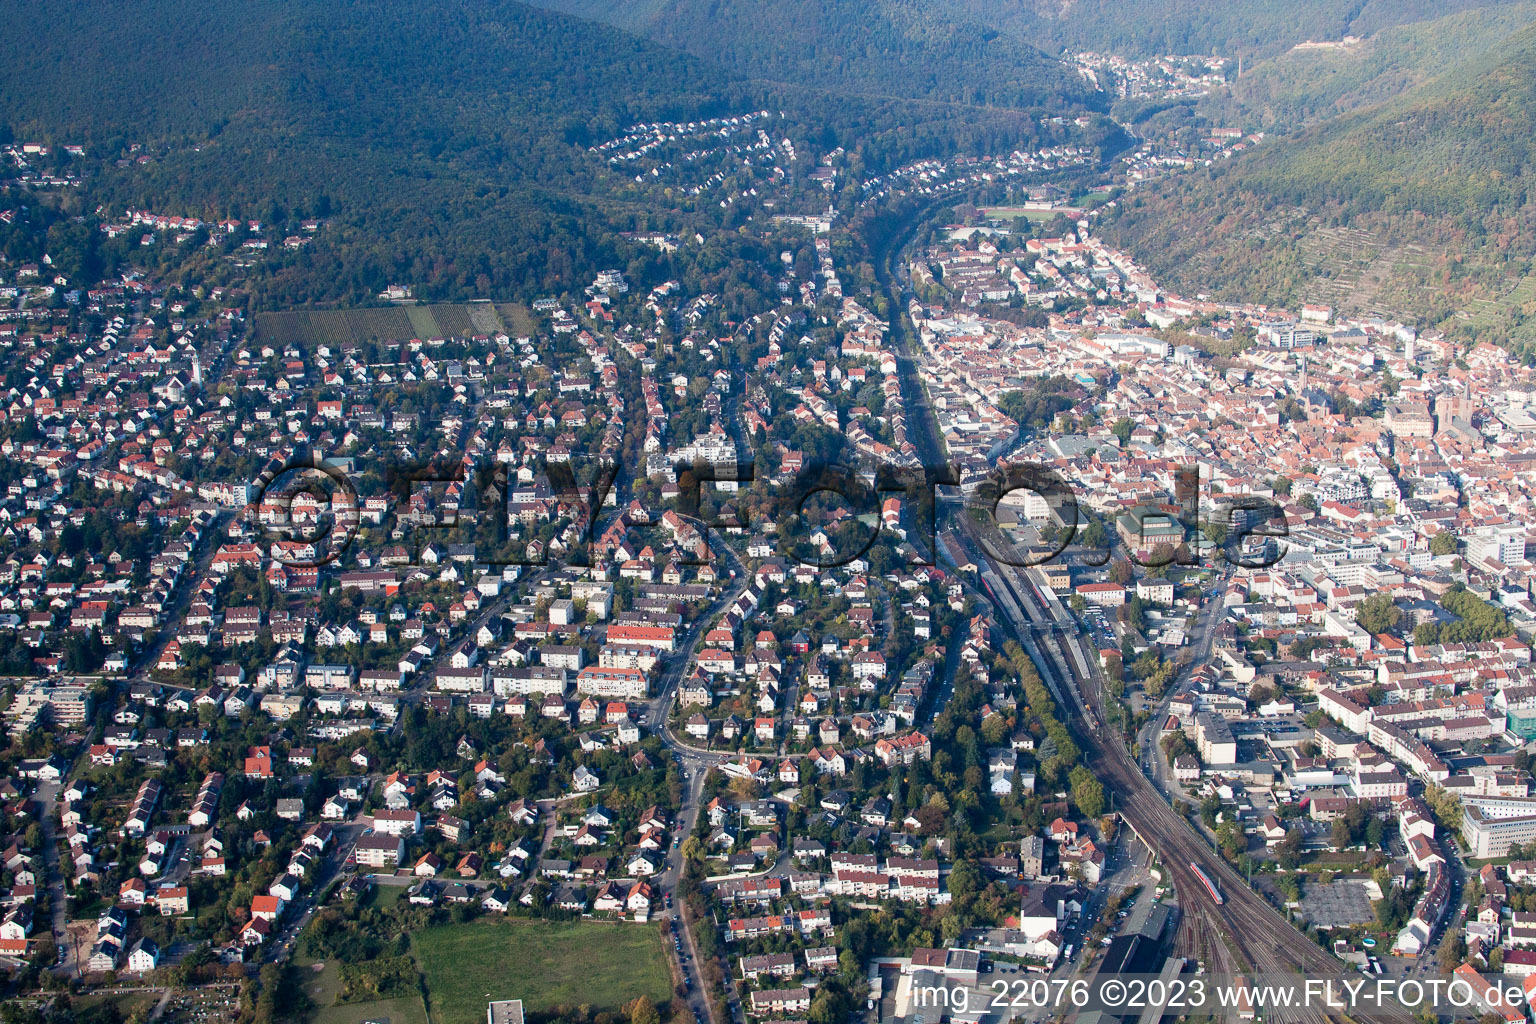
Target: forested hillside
[
  {"x": 1253, "y": 28},
  {"x": 439, "y": 135},
  {"x": 1417, "y": 206},
  {"x": 1301, "y": 88},
  {"x": 901, "y": 48},
  {"x": 436, "y": 77},
  {"x": 446, "y": 143},
  {"x": 956, "y": 48}
]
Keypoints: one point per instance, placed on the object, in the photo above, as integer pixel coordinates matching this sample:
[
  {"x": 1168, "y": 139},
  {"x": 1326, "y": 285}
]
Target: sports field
[{"x": 544, "y": 964}]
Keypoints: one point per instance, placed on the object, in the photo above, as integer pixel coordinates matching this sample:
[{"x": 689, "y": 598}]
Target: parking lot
[{"x": 1341, "y": 903}]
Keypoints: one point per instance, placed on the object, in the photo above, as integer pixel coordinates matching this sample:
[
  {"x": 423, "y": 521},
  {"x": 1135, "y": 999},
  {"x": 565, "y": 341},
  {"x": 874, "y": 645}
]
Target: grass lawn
[
  {"x": 544, "y": 964},
  {"x": 404, "y": 1010},
  {"x": 386, "y": 896},
  {"x": 321, "y": 988},
  {"x": 319, "y": 985},
  {"x": 1015, "y": 212}
]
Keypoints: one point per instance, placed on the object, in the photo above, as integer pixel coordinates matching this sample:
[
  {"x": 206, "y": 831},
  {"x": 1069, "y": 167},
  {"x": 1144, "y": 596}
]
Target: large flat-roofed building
[
  {"x": 504, "y": 1011},
  {"x": 1286, "y": 335},
  {"x": 35, "y": 703},
  {"x": 380, "y": 851},
  {"x": 1505, "y": 543},
  {"x": 69, "y": 705},
  {"x": 1214, "y": 739},
  {"x": 1492, "y": 824}
]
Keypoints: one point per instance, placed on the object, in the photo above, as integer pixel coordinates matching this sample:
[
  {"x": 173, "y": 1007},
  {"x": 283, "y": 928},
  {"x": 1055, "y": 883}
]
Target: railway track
[
  {"x": 1244, "y": 933},
  {"x": 1241, "y": 935}
]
